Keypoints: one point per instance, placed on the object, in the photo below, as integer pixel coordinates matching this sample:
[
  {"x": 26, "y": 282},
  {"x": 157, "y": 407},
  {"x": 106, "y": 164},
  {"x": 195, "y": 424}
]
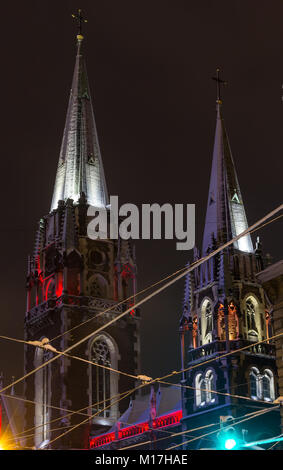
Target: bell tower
[
  {"x": 225, "y": 307},
  {"x": 71, "y": 279}
]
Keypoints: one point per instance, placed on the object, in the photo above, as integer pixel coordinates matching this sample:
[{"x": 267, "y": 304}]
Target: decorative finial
[
  {"x": 80, "y": 20},
  {"x": 219, "y": 82}
]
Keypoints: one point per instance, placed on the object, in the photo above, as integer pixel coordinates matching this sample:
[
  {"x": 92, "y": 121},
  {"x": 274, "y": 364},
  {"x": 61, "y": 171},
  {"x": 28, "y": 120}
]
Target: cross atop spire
[
  {"x": 80, "y": 168},
  {"x": 80, "y": 20},
  {"x": 219, "y": 82},
  {"x": 225, "y": 215}
]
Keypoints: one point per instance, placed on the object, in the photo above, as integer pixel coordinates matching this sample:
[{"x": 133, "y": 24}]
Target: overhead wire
[
  {"x": 165, "y": 286},
  {"x": 147, "y": 288},
  {"x": 258, "y": 413},
  {"x": 176, "y": 434},
  {"x": 216, "y": 392},
  {"x": 249, "y": 230}
]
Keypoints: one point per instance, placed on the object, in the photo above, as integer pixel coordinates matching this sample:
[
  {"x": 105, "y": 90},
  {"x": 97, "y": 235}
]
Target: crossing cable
[
  {"x": 21, "y": 434},
  {"x": 275, "y": 444},
  {"x": 65, "y": 427},
  {"x": 85, "y": 408},
  {"x": 111, "y": 398},
  {"x": 165, "y": 286},
  {"x": 251, "y": 415},
  {"x": 141, "y": 386},
  {"x": 184, "y": 370},
  {"x": 95, "y": 414},
  {"x": 147, "y": 288},
  {"x": 171, "y": 374},
  {"x": 32, "y": 435},
  {"x": 46, "y": 346},
  {"x": 170, "y": 276},
  {"x": 259, "y": 413},
  {"x": 216, "y": 392},
  {"x": 120, "y": 303},
  {"x": 196, "y": 365},
  {"x": 37, "y": 403}
]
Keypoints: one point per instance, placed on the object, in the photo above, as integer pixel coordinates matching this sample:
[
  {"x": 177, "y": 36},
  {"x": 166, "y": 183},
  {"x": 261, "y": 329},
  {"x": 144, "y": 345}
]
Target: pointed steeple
[
  {"x": 225, "y": 214},
  {"x": 80, "y": 168}
]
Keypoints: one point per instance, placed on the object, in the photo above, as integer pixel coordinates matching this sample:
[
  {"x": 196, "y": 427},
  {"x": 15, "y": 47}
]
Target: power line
[
  {"x": 103, "y": 401},
  {"x": 165, "y": 286},
  {"x": 45, "y": 346},
  {"x": 175, "y": 373},
  {"x": 159, "y": 290},
  {"x": 258, "y": 413},
  {"x": 149, "y": 287},
  {"x": 216, "y": 392},
  {"x": 253, "y": 414},
  {"x": 220, "y": 357},
  {"x": 82, "y": 409},
  {"x": 184, "y": 370},
  {"x": 93, "y": 416},
  {"x": 62, "y": 409},
  {"x": 119, "y": 303}
]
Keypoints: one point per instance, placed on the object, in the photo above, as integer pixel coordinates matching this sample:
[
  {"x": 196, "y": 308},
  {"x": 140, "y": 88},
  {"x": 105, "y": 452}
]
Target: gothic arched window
[
  {"x": 203, "y": 388},
  {"x": 200, "y": 390},
  {"x": 262, "y": 385},
  {"x": 254, "y": 383},
  {"x": 209, "y": 377},
  {"x": 104, "y": 383},
  {"x": 268, "y": 385}
]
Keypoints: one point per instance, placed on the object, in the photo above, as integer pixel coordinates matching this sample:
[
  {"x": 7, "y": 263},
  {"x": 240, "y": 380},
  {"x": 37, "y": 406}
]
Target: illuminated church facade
[
  {"x": 225, "y": 309},
  {"x": 72, "y": 279}
]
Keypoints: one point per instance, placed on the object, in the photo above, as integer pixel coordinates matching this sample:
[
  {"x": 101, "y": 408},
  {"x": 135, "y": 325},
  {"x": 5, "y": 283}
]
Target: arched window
[
  {"x": 200, "y": 390},
  {"x": 262, "y": 385},
  {"x": 254, "y": 383},
  {"x": 104, "y": 383},
  {"x": 209, "y": 386},
  {"x": 268, "y": 385},
  {"x": 207, "y": 321},
  {"x": 204, "y": 385},
  {"x": 42, "y": 385}
]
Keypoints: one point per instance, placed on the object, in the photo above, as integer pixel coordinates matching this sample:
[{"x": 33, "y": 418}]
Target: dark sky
[{"x": 150, "y": 65}]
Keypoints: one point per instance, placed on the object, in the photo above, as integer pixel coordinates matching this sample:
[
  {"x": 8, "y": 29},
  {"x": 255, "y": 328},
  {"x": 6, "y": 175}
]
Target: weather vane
[
  {"x": 219, "y": 82},
  {"x": 80, "y": 20}
]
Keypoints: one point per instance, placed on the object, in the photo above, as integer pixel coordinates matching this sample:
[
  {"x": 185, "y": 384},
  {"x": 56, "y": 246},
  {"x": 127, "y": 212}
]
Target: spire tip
[{"x": 80, "y": 20}]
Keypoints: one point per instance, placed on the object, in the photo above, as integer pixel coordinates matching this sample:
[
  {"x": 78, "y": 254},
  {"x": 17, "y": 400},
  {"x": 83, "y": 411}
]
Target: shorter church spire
[
  {"x": 80, "y": 168},
  {"x": 225, "y": 215}
]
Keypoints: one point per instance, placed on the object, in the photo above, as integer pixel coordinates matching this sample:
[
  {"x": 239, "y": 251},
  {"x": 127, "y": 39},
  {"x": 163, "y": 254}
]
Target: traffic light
[{"x": 228, "y": 437}]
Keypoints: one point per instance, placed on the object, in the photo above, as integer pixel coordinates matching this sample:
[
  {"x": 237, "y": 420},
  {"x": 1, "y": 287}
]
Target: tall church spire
[
  {"x": 80, "y": 168},
  {"x": 225, "y": 215}
]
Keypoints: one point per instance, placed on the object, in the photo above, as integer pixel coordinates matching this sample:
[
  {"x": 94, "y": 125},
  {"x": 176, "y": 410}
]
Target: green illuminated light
[{"x": 230, "y": 444}]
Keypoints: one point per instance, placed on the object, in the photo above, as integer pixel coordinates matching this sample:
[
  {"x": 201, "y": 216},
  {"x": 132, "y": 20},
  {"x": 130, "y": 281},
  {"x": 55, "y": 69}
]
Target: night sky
[{"x": 150, "y": 65}]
